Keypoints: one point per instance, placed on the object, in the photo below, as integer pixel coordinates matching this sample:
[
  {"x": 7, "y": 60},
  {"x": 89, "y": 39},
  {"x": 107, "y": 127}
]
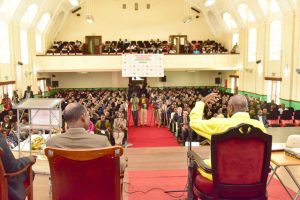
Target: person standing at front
[
  {"x": 134, "y": 108},
  {"x": 144, "y": 111}
]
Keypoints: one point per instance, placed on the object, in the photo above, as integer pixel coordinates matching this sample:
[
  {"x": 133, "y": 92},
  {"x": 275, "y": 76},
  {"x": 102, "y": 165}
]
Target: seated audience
[
  {"x": 119, "y": 129},
  {"x": 262, "y": 118},
  {"x": 103, "y": 126}
]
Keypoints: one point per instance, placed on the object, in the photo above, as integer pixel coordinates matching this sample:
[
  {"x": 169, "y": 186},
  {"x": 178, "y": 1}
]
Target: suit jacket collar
[{"x": 76, "y": 131}]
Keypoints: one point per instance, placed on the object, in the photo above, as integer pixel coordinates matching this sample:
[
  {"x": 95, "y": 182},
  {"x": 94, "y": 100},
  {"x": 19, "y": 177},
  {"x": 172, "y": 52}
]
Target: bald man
[
  {"x": 237, "y": 110},
  {"x": 77, "y": 119}
]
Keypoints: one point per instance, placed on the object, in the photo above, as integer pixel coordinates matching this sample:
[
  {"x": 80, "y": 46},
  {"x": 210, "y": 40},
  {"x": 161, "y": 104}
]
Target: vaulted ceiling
[{"x": 14, "y": 10}]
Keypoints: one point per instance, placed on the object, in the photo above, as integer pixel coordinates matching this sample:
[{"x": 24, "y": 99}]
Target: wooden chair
[
  {"x": 240, "y": 160},
  {"x": 28, "y": 184},
  {"x": 90, "y": 174}
]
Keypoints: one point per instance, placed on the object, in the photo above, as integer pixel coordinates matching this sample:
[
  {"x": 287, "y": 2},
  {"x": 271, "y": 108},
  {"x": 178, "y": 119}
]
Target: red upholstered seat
[
  {"x": 203, "y": 184},
  {"x": 85, "y": 173},
  {"x": 240, "y": 165}
]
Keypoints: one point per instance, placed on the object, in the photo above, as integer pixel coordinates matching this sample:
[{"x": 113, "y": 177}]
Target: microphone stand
[{"x": 191, "y": 167}]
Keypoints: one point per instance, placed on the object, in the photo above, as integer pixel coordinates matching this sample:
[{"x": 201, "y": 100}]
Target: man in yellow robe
[{"x": 237, "y": 109}]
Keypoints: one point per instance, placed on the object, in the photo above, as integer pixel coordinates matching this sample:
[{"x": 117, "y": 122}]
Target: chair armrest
[
  {"x": 28, "y": 166},
  {"x": 122, "y": 175},
  {"x": 192, "y": 155}
]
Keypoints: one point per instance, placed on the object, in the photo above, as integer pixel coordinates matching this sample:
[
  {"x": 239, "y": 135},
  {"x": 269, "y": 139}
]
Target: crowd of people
[
  {"x": 172, "y": 107},
  {"x": 108, "y": 110},
  {"x": 59, "y": 47},
  {"x": 152, "y": 46},
  {"x": 142, "y": 47},
  {"x": 100, "y": 117}
]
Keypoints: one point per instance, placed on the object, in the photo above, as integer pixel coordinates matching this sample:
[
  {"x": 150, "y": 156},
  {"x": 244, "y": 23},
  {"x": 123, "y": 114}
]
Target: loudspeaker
[
  {"x": 163, "y": 79},
  {"x": 48, "y": 82},
  {"x": 217, "y": 80},
  {"x": 55, "y": 84}
]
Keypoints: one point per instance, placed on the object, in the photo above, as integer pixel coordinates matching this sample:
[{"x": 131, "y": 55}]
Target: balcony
[{"x": 182, "y": 62}]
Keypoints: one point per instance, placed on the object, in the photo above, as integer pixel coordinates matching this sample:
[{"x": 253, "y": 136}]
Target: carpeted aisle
[
  {"x": 153, "y": 184},
  {"x": 150, "y": 136}
]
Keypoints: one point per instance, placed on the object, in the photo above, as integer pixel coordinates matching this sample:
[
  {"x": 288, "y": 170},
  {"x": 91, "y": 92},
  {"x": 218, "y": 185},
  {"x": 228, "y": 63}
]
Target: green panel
[
  {"x": 285, "y": 102},
  {"x": 288, "y": 103},
  {"x": 254, "y": 95},
  {"x": 295, "y": 105}
]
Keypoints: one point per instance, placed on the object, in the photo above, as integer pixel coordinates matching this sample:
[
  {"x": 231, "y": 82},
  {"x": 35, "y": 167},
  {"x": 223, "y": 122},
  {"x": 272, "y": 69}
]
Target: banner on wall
[{"x": 142, "y": 65}]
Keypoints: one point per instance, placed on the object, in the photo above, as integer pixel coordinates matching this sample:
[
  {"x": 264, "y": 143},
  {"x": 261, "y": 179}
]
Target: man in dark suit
[
  {"x": 261, "y": 117},
  {"x": 16, "y": 190},
  {"x": 28, "y": 93},
  {"x": 77, "y": 119}
]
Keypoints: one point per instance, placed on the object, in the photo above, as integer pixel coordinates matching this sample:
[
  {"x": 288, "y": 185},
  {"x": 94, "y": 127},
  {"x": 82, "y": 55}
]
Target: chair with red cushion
[
  {"x": 297, "y": 118},
  {"x": 79, "y": 174},
  {"x": 286, "y": 118},
  {"x": 28, "y": 184},
  {"x": 273, "y": 119},
  {"x": 240, "y": 160}
]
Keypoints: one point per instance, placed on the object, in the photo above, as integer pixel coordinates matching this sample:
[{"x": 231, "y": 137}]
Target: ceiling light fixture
[
  {"x": 74, "y": 3},
  {"x": 209, "y": 3},
  {"x": 89, "y": 16}
]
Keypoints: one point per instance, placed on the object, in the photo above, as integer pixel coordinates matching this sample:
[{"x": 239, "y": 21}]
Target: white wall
[
  {"x": 114, "y": 79},
  {"x": 164, "y": 18}
]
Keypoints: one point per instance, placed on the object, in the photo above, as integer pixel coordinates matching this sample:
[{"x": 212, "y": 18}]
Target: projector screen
[{"x": 142, "y": 65}]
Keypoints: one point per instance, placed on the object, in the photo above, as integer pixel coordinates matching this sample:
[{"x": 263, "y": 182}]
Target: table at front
[{"x": 279, "y": 159}]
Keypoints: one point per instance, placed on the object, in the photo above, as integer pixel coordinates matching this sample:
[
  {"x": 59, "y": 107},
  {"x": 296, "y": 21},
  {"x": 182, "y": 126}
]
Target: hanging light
[
  {"x": 89, "y": 17},
  {"x": 74, "y": 3},
  {"x": 209, "y": 3}
]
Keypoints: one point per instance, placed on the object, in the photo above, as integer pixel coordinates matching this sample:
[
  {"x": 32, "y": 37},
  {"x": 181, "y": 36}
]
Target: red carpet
[
  {"x": 153, "y": 183},
  {"x": 149, "y": 136}
]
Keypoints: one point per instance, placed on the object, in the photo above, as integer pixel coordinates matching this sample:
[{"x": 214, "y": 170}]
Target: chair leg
[{"x": 30, "y": 194}]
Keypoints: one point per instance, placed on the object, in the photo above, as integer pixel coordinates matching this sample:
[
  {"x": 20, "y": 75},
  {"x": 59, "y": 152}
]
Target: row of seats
[
  {"x": 134, "y": 47},
  {"x": 287, "y": 118},
  {"x": 65, "y": 48}
]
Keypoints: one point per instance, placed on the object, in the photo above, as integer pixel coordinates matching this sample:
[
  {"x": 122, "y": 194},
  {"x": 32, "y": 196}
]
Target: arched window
[
  {"x": 40, "y": 29},
  {"x": 24, "y": 46},
  {"x": 43, "y": 22},
  {"x": 245, "y": 13},
  {"x": 235, "y": 38},
  {"x": 230, "y": 22},
  {"x": 8, "y": 6},
  {"x": 275, "y": 40},
  {"x": 252, "y": 40},
  {"x": 274, "y": 6},
  {"x": 29, "y": 15},
  {"x": 4, "y": 45},
  {"x": 269, "y": 6}
]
